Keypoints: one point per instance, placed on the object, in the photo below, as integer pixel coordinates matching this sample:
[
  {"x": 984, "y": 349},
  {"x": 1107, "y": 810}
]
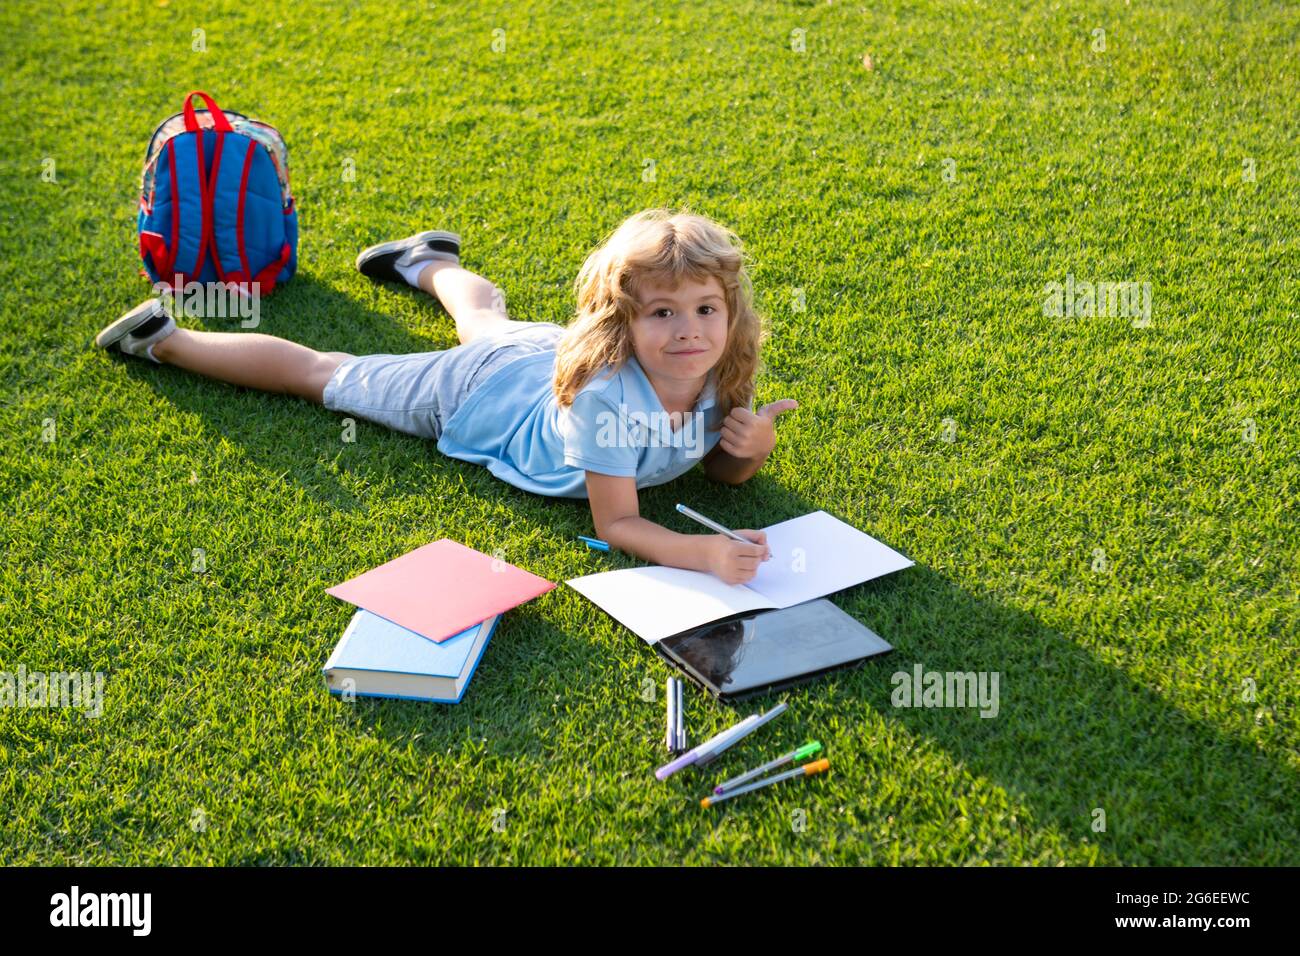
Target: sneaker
[
  {"x": 139, "y": 330},
  {"x": 380, "y": 262}
]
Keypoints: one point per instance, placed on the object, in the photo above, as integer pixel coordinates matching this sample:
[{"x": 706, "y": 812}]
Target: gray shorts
[{"x": 417, "y": 393}]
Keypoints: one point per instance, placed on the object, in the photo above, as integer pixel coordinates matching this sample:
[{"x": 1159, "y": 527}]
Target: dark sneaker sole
[
  {"x": 142, "y": 315},
  {"x": 376, "y": 262}
]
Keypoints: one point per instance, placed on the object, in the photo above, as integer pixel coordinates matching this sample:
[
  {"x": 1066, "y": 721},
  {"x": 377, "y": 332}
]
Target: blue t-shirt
[{"x": 512, "y": 425}]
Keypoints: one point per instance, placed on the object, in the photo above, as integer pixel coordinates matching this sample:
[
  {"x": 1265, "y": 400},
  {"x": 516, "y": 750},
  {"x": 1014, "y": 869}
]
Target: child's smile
[{"x": 678, "y": 335}]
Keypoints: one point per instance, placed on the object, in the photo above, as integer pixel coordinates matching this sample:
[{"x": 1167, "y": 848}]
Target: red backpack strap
[
  {"x": 190, "y": 219},
  {"x": 154, "y": 248},
  {"x": 209, "y": 239},
  {"x": 219, "y": 121},
  {"x": 169, "y": 261},
  {"x": 205, "y": 220}
]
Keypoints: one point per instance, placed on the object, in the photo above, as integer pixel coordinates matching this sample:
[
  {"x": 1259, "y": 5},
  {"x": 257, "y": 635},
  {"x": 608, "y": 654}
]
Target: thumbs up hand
[{"x": 747, "y": 434}]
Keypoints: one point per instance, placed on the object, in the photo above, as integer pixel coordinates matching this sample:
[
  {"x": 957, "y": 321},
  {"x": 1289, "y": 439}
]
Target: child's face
[{"x": 679, "y": 333}]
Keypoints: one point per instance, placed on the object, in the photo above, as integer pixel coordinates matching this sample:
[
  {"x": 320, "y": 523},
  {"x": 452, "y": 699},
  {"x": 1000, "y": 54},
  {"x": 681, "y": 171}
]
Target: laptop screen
[{"x": 773, "y": 647}]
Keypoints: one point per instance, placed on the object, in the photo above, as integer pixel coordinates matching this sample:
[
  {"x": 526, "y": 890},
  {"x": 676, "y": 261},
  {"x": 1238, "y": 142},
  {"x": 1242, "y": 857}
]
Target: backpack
[{"x": 215, "y": 202}]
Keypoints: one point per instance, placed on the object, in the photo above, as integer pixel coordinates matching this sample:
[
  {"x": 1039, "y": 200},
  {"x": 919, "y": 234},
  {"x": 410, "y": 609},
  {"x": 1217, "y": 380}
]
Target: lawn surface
[{"x": 917, "y": 210}]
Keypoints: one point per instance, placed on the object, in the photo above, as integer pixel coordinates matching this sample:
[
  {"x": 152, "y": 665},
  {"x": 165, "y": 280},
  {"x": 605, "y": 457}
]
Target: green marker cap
[{"x": 808, "y": 749}]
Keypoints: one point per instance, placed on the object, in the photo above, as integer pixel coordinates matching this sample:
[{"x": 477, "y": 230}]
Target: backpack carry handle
[{"x": 219, "y": 120}]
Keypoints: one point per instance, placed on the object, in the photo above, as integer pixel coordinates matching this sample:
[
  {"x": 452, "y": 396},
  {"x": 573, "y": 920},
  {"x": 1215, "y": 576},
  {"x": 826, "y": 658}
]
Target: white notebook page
[
  {"x": 817, "y": 554},
  {"x": 656, "y": 602}
]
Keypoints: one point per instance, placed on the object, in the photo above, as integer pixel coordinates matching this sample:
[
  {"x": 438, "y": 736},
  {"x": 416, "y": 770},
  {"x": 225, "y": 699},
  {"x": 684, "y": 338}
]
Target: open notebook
[{"x": 812, "y": 556}]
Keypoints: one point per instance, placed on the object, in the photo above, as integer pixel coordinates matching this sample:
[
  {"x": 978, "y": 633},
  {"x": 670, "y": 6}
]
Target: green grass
[{"x": 1120, "y": 690}]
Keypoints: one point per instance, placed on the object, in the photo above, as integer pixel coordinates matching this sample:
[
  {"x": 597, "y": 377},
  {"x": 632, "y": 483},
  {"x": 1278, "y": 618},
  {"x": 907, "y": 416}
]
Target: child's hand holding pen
[
  {"x": 736, "y": 562},
  {"x": 734, "y": 556}
]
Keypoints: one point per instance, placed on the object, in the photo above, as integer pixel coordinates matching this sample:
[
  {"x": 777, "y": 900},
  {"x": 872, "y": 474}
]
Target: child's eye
[
  {"x": 663, "y": 313},
  {"x": 707, "y": 309}
]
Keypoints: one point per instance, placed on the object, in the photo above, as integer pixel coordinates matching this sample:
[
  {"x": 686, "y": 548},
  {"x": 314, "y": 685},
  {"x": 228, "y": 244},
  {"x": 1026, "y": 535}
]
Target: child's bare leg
[
  {"x": 477, "y": 306},
  {"x": 252, "y": 360}
]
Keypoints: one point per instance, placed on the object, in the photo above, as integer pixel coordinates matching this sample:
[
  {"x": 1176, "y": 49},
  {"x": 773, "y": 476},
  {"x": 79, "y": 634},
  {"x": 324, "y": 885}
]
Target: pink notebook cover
[{"x": 441, "y": 589}]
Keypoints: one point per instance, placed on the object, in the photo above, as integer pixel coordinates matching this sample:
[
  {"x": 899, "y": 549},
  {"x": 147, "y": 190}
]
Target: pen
[
  {"x": 594, "y": 544},
  {"x": 807, "y": 750},
  {"x": 681, "y": 717},
  {"x": 671, "y": 734},
  {"x": 713, "y": 752},
  {"x": 688, "y": 758},
  {"x": 806, "y": 770},
  {"x": 711, "y": 524}
]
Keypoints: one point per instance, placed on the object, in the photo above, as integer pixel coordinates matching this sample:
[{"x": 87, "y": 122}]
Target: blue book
[{"x": 377, "y": 658}]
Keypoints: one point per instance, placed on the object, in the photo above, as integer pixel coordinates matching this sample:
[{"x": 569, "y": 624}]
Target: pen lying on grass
[
  {"x": 709, "y": 750},
  {"x": 807, "y": 750},
  {"x": 807, "y": 770}
]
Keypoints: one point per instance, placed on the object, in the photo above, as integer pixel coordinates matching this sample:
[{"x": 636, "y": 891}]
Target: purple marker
[{"x": 688, "y": 758}]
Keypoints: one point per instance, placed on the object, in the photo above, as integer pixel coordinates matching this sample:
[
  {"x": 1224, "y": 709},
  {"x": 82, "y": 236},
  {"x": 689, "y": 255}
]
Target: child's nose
[{"x": 688, "y": 327}]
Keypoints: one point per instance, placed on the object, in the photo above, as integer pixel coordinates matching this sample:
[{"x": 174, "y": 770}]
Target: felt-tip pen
[{"x": 691, "y": 756}]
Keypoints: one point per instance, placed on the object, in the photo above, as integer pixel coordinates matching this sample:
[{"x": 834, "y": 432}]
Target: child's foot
[
  {"x": 137, "y": 332},
  {"x": 403, "y": 259}
]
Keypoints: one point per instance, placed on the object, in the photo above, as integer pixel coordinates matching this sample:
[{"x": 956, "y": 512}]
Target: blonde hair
[{"x": 659, "y": 245}]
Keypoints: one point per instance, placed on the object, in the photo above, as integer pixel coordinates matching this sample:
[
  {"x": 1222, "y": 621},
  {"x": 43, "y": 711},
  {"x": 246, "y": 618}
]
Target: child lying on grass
[{"x": 655, "y": 372}]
